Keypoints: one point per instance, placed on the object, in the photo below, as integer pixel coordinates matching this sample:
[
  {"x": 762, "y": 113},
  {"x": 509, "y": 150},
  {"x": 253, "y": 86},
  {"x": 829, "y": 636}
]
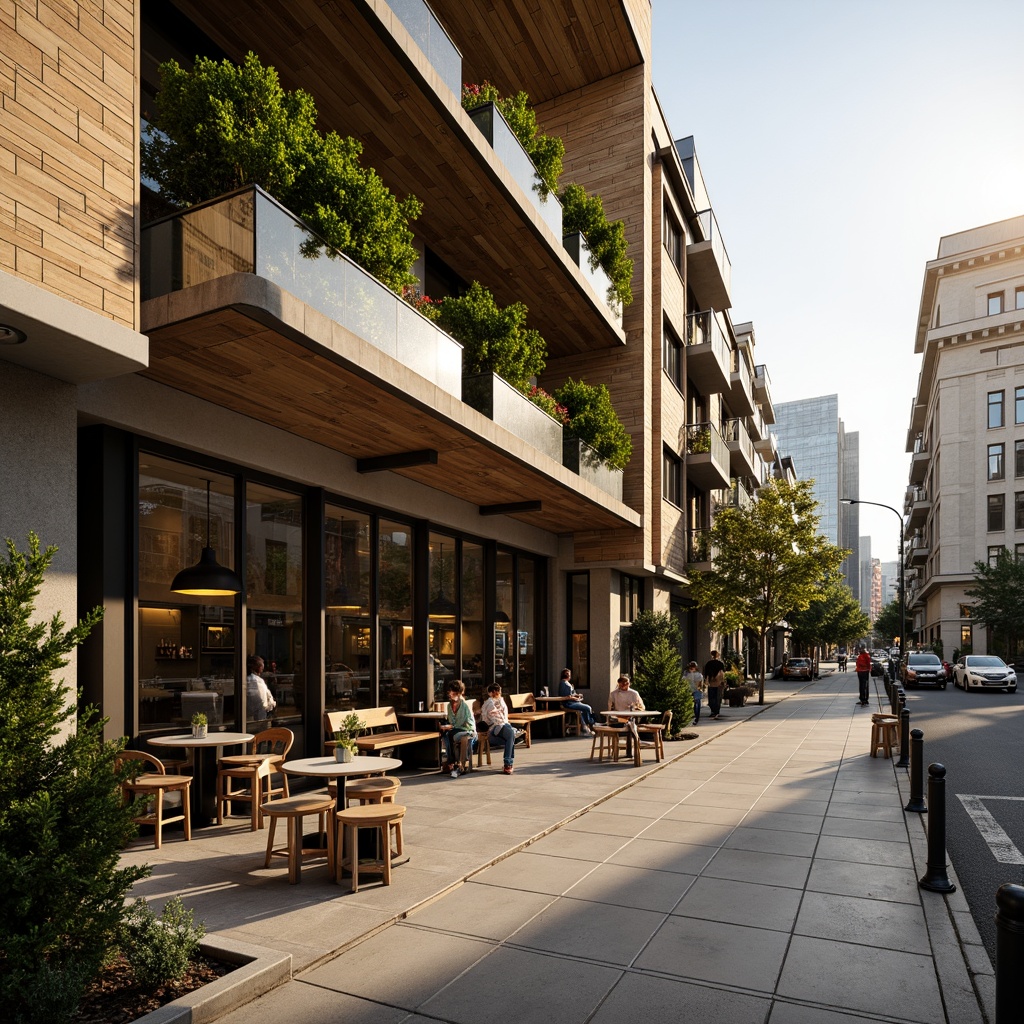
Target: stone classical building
[
  {"x": 198, "y": 382},
  {"x": 965, "y": 501}
]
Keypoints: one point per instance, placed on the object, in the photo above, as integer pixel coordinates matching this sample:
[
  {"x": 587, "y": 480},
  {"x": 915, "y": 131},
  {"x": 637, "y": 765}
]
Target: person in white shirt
[
  {"x": 696, "y": 682},
  {"x": 494, "y": 714},
  {"x": 259, "y": 700},
  {"x": 625, "y": 698}
]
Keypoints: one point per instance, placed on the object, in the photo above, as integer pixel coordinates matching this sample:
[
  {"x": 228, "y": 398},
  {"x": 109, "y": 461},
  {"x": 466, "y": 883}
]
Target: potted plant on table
[
  {"x": 199, "y": 726},
  {"x": 345, "y": 737}
]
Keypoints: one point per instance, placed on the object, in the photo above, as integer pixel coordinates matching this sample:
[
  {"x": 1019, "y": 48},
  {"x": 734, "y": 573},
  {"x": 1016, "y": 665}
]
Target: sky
[{"x": 839, "y": 140}]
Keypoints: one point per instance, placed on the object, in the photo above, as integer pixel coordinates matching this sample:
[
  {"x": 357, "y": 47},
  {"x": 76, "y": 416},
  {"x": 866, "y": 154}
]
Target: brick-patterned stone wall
[{"x": 69, "y": 177}]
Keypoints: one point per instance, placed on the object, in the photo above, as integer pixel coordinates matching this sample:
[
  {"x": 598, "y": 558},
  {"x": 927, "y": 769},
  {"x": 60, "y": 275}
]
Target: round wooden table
[
  {"x": 204, "y": 773},
  {"x": 629, "y": 717}
]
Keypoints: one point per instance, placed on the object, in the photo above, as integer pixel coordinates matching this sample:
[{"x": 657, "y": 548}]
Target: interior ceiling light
[
  {"x": 11, "y": 335},
  {"x": 207, "y": 578}
]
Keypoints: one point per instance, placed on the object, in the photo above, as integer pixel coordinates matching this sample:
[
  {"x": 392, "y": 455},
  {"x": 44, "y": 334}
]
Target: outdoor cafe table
[
  {"x": 329, "y": 768},
  {"x": 204, "y": 778},
  {"x": 629, "y": 717}
]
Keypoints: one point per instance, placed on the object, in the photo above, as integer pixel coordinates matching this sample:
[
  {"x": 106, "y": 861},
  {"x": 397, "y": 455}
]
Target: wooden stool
[
  {"x": 372, "y": 791},
  {"x": 573, "y": 722},
  {"x": 384, "y": 818},
  {"x": 152, "y": 785},
  {"x": 606, "y": 740},
  {"x": 294, "y": 808},
  {"x": 884, "y": 734}
]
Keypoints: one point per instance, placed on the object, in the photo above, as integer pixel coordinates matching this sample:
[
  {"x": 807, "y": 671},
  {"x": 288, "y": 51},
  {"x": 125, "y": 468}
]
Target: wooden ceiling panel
[{"x": 226, "y": 358}]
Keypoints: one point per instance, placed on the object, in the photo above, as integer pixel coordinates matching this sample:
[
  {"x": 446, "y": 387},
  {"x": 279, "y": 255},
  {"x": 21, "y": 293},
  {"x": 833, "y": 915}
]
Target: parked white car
[{"x": 984, "y": 672}]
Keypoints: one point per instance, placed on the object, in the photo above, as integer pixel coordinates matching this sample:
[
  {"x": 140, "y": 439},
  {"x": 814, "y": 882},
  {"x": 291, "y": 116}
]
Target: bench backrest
[
  {"x": 372, "y": 718},
  {"x": 521, "y": 701}
]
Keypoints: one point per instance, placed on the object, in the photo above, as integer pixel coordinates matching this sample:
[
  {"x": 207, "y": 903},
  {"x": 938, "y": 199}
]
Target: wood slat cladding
[
  {"x": 68, "y": 170},
  {"x": 545, "y": 49},
  {"x": 239, "y": 363},
  {"x": 378, "y": 88}
]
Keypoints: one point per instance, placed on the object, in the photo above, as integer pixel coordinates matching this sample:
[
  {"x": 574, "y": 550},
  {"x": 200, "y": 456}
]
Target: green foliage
[
  {"x": 606, "y": 239},
  {"x": 546, "y": 151},
  {"x": 593, "y": 419},
  {"x": 494, "y": 339},
  {"x": 223, "y": 126},
  {"x": 659, "y": 680},
  {"x": 834, "y": 616},
  {"x": 770, "y": 562},
  {"x": 887, "y": 625},
  {"x": 547, "y": 402},
  {"x": 62, "y": 824},
  {"x": 159, "y": 950},
  {"x": 997, "y": 591},
  {"x": 649, "y": 627}
]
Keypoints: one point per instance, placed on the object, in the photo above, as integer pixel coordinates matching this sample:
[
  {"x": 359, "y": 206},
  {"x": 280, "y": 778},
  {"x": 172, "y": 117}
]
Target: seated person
[
  {"x": 625, "y": 698},
  {"x": 566, "y": 689},
  {"x": 460, "y": 726},
  {"x": 494, "y": 714}
]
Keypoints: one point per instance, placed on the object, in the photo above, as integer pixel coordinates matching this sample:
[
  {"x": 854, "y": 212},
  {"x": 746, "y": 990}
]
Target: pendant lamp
[{"x": 207, "y": 578}]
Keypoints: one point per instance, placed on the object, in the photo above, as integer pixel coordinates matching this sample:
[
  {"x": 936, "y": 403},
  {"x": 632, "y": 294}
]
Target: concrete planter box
[
  {"x": 578, "y": 456},
  {"x": 498, "y": 400}
]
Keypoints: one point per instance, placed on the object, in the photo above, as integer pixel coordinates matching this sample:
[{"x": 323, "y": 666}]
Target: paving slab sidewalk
[{"x": 765, "y": 872}]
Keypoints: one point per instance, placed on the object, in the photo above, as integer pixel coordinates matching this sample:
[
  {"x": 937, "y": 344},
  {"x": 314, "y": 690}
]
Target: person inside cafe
[
  {"x": 259, "y": 701},
  {"x": 566, "y": 689},
  {"x": 460, "y": 726},
  {"x": 494, "y": 714},
  {"x": 625, "y": 698}
]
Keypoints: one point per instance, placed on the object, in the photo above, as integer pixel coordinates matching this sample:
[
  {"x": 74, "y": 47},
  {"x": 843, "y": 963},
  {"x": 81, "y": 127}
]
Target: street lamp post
[{"x": 903, "y": 592}]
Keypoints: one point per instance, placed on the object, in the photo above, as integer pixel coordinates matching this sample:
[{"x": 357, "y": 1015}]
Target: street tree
[
  {"x": 769, "y": 560},
  {"x": 998, "y": 593},
  {"x": 834, "y": 616},
  {"x": 887, "y": 625}
]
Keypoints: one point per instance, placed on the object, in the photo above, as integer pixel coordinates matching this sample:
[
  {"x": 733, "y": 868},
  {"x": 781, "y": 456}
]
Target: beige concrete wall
[{"x": 69, "y": 180}]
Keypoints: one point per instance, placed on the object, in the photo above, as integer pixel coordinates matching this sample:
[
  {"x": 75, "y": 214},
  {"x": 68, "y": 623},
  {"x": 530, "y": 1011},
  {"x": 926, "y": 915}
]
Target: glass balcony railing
[
  {"x": 711, "y": 232},
  {"x": 249, "y": 232},
  {"x": 698, "y": 546},
  {"x": 576, "y": 246},
  {"x": 704, "y": 329},
  {"x": 761, "y": 378},
  {"x": 509, "y": 150},
  {"x": 704, "y": 439},
  {"x": 429, "y": 35}
]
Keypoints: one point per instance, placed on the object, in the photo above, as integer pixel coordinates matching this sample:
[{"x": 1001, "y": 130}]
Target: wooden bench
[
  {"x": 381, "y": 731},
  {"x": 523, "y": 712}
]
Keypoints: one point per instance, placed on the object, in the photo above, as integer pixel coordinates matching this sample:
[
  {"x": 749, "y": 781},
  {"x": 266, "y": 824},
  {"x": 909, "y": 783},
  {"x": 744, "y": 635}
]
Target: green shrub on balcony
[
  {"x": 606, "y": 239},
  {"x": 592, "y": 418},
  {"x": 698, "y": 440},
  {"x": 222, "y": 126}
]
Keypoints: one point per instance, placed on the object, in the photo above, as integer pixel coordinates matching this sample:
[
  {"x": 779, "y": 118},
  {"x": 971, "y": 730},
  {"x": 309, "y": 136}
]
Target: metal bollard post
[
  {"x": 1009, "y": 951},
  {"x": 894, "y": 698},
  {"x": 916, "y": 802},
  {"x": 904, "y": 761},
  {"x": 934, "y": 879}
]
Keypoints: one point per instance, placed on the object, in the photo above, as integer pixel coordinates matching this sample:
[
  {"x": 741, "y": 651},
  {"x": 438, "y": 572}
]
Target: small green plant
[
  {"x": 592, "y": 419},
  {"x": 350, "y": 727},
  {"x": 606, "y": 239},
  {"x": 698, "y": 440},
  {"x": 547, "y": 402},
  {"x": 546, "y": 151},
  {"x": 159, "y": 950},
  {"x": 199, "y": 720}
]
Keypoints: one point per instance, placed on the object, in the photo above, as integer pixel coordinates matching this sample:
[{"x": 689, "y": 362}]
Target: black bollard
[
  {"x": 917, "y": 803},
  {"x": 1009, "y": 951},
  {"x": 934, "y": 878},
  {"x": 894, "y": 698},
  {"x": 904, "y": 761}
]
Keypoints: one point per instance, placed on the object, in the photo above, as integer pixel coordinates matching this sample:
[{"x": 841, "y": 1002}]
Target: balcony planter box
[
  {"x": 576, "y": 246},
  {"x": 498, "y": 400},
  {"x": 579, "y": 457}
]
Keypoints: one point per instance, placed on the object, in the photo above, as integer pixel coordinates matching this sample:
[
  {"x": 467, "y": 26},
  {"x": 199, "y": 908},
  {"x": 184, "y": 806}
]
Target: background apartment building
[
  {"x": 167, "y": 387},
  {"x": 965, "y": 502}
]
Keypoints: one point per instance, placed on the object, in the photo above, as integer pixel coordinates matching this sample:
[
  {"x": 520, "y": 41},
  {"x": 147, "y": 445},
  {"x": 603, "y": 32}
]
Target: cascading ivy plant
[{"x": 592, "y": 418}]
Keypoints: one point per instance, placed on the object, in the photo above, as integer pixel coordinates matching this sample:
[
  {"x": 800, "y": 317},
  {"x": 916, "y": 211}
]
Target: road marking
[{"x": 1001, "y": 845}]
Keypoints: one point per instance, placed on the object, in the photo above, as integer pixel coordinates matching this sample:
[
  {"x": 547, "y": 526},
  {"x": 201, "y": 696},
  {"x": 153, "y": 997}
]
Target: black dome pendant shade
[{"x": 207, "y": 578}]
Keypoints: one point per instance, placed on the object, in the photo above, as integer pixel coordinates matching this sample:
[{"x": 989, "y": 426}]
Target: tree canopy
[
  {"x": 834, "y": 616},
  {"x": 887, "y": 625},
  {"x": 998, "y": 591},
  {"x": 222, "y": 126},
  {"x": 770, "y": 561}
]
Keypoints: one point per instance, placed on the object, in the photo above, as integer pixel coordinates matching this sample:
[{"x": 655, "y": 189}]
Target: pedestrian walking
[
  {"x": 714, "y": 680},
  {"x": 863, "y": 674},
  {"x": 696, "y": 682}
]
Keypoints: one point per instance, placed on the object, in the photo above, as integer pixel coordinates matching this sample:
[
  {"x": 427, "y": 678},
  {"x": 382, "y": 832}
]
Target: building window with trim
[
  {"x": 578, "y": 597},
  {"x": 996, "y": 512},
  {"x": 1018, "y": 458},
  {"x": 993, "y": 554},
  {"x": 672, "y": 356},
  {"x": 995, "y": 303},
  {"x": 672, "y": 238},
  {"x": 630, "y": 598},
  {"x": 1018, "y": 552},
  {"x": 995, "y": 409},
  {"x": 1018, "y": 510},
  {"x": 671, "y": 477},
  {"x": 995, "y": 461},
  {"x": 1018, "y": 405},
  {"x": 965, "y": 637},
  {"x": 1018, "y": 298}
]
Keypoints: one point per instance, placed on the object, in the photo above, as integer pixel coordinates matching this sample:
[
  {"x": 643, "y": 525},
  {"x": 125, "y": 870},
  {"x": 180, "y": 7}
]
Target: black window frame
[
  {"x": 995, "y": 402},
  {"x": 996, "y": 518},
  {"x": 996, "y": 466},
  {"x": 671, "y": 477}
]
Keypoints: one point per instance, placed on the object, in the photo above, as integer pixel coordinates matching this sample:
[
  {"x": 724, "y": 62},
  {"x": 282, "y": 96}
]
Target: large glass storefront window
[
  {"x": 348, "y": 651},
  {"x": 526, "y": 626},
  {"x": 187, "y": 646},
  {"x": 504, "y": 607},
  {"x": 442, "y": 608},
  {"x": 579, "y": 628},
  {"x": 473, "y": 619},
  {"x": 394, "y": 582},
  {"x": 274, "y": 588}
]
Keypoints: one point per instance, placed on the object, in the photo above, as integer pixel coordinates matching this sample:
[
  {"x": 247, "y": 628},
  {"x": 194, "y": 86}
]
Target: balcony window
[
  {"x": 671, "y": 477},
  {"x": 995, "y": 461},
  {"x": 995, "y": 409},
  {"x": 672, "y": 237},
  {"x": 996, "y": 512},
  {"x": 672, "y": 356},
  {"x": 995, "y": 303}
]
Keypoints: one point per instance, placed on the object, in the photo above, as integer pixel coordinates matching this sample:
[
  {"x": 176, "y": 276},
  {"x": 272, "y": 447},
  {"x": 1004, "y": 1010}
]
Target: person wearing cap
[{"x": 696, "y": 682}]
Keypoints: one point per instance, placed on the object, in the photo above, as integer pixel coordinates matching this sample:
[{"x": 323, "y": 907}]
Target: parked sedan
[
  {"x": 797, "y": 668},
  {"x": 923, "y": 670},
  {"x": 984, "y": 672}
]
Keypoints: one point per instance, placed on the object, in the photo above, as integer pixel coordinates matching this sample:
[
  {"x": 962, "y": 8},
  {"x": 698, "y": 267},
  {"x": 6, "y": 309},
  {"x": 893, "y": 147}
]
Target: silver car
[{"x": 984, "y": 672}]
